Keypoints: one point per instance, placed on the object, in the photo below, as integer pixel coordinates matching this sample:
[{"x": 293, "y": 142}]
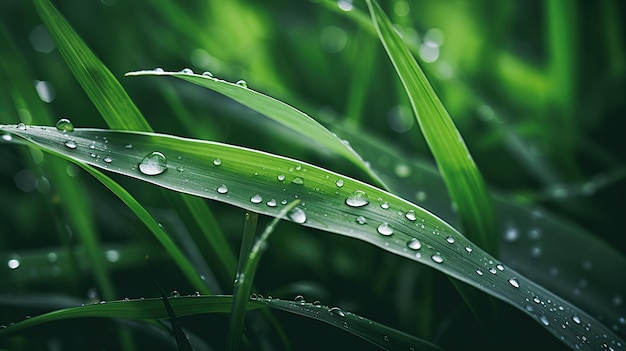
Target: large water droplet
[
  {"x": 217, "y": 162},
  {"x": 21, "y": 126},
  {"x": 298, "y": 180},
  {"x": 544, "y": 320},
  {"x": 154, "y": 163},
  {"x": 357, "y": 199},
  {"x": 65, "y": 125},
  {"x": 410, "y": 215},
  {"x": 207, "y": 74},
  {"x": 71, "y": 144},
  {"x": 256, "y": 199},
  {"x": 361, "y": 220},
  {"x": 108, "y": 159},
  {"x": 242, "y": 83},
  {"x": 272, "y": 203},
  {"x": 336, "y": 311},
  {"x": 339, "y": 183},
  {"x": 576, "y": 319},
  {"x": 414, "y": 244},
  {"x": 500, "y": 267},
  {"x": 186, "y": 71},
  {"x": 479, "y": 272},
  {"x": 450, "y": 239},
  {"x": 222, "y": 189},
  {"x": 385, "y": 229},
  {"x": 437, "y": 258},
  {"x": 384, "y": 205},
  {"x": 468, "y": 249},
  {"x": 280, "y": 177},
  {"x": 492, "y": 270},
  {"x": 297, "y": 215},
  {"x": 514, "y": 282}
]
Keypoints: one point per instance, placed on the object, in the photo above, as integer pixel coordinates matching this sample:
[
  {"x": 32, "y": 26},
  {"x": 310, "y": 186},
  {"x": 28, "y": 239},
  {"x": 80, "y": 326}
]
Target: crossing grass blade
[
  {"x": 264, "y": 183},
  {"x": 463, "y": 180}
]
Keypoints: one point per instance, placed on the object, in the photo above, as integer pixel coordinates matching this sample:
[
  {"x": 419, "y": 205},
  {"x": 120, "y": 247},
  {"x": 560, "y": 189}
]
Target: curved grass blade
[
  {"x": 378, "y": 334},
  {"x": 135, "y": 309},
  {"x": 274, "y": 109},
  {"x": 534, "y": 242},
  {"x": 463, "y": 180},
  {"x": 264, "y": 183}
]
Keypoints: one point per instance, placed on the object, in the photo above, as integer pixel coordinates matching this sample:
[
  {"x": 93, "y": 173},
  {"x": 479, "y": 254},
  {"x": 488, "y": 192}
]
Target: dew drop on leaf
[
  {"x": 414, "y": 244},
  {"x": 297, "y": 215},
  {"x": 339, "y": 183},
  {"x": 71, "y": 144},
  {"x": 437, "y": 258},
  {"x": 217, "y": 162},
  {"x": 336, "y": 311},
  {"x": 280, "y": 177},
  {"x": 468, "y": 249},
  {"x": 65, "y": 125},
  {"x": 222, "y": 189},
  {"x": 128, "y": 146},
  {"x": 21, "y": 126},
  {"x": 361, "y": 220},
  {"x": 298, "y": 181},
  {"x": 154, "y": 163},
  {"x": 186, "y": 71},
  {"x": 108, "y": 159},
  {"x": 514, "y": 283},
  {"x": 256, "y": 199},
  {"x": 385, "y": 229},
  {"x": 450, "y": 239},
  {"x": 576, "y": 319},
  {"x": 492, "y": 270},
  {"x": 410, "y": 215},
  {"x": 500, "y": 267},
  {"x": 271, "y": 203},
  {"x": 357, "y": 199},
  {"x": 242, "y": 83},
  {"x": 479, "y": 272},
  {"x": 384, "y": 205},
  {"x": 207, "y": 74},
  {"x": 544, "y": 320}
]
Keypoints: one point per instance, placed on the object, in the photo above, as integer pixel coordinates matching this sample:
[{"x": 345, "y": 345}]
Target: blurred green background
[{"x": 536, "y": 88}]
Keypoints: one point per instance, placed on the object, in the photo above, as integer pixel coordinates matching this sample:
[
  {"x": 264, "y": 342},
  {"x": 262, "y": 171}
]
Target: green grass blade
[
  {"x": 462, "y": 178},
  {"x": 249, "y": 260},
  {"x": 331, "y": 202},
  {"x": 134, "y": 309},
  {"x": 378, "y": 334},
  {"x": 276, "y": 110},
  {"x": 97, "y": 81},
  {"x": 177, "y": 255}
]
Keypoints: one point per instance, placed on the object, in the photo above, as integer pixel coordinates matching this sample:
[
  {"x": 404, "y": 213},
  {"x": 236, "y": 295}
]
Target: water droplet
[
  {"x": 492, "y": 270},
  {"x": 207, "y": 74},
  {"x": 222, "y": 189},
  {"x": 357, "y": 199},
  {"x": 385, "y": 229},
  {"x": 284, "y": 202},
  {"x": 280, "y": 177},
  {"x": 108, "y": 159},
  {"x": 544, "y": 320},
  {"x": 468, "y": 249},
  {"x": 242, "y": 83},
  {"x": 450, "y": 239},
  {"x": 71, "y": 144},
  {"x": 536, "y": 299},
  {"x": 410, "y": 215},
  {"x": 7, "y": 137},
  {"x": 514, "y": 282},
  {"x": 576, "y": 319},
  {"x": 336, "y": 311},
  {"x": 154, "y": 163},
  {"x": 256, "y": 199},
  {"x": 13, "y": 263},
  {"x": 186, "y": 71},
  {"x": 298, "y": 180},
  {"x": 414, "y": 244},
  {"x": 299, "y": 298},
  {"x": 65, "y": 125},
  {"x": 175, "y": 293},
  {"x": 384, "y": 205},
  {"x": 479, "y": 272},
  {"x": 500, "y": 267},
  {"x": 21, "y": 126},
  {"x": 437, "y": 258},
  {"x": 128, "y": 146},
  {"x": 361, "y": 220},
  {"x": 339, "y": 183},
  {"x": 217, "y": 162},
  {"x": 92, "y": 155},
  {"x": 297, "y": 215}
]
